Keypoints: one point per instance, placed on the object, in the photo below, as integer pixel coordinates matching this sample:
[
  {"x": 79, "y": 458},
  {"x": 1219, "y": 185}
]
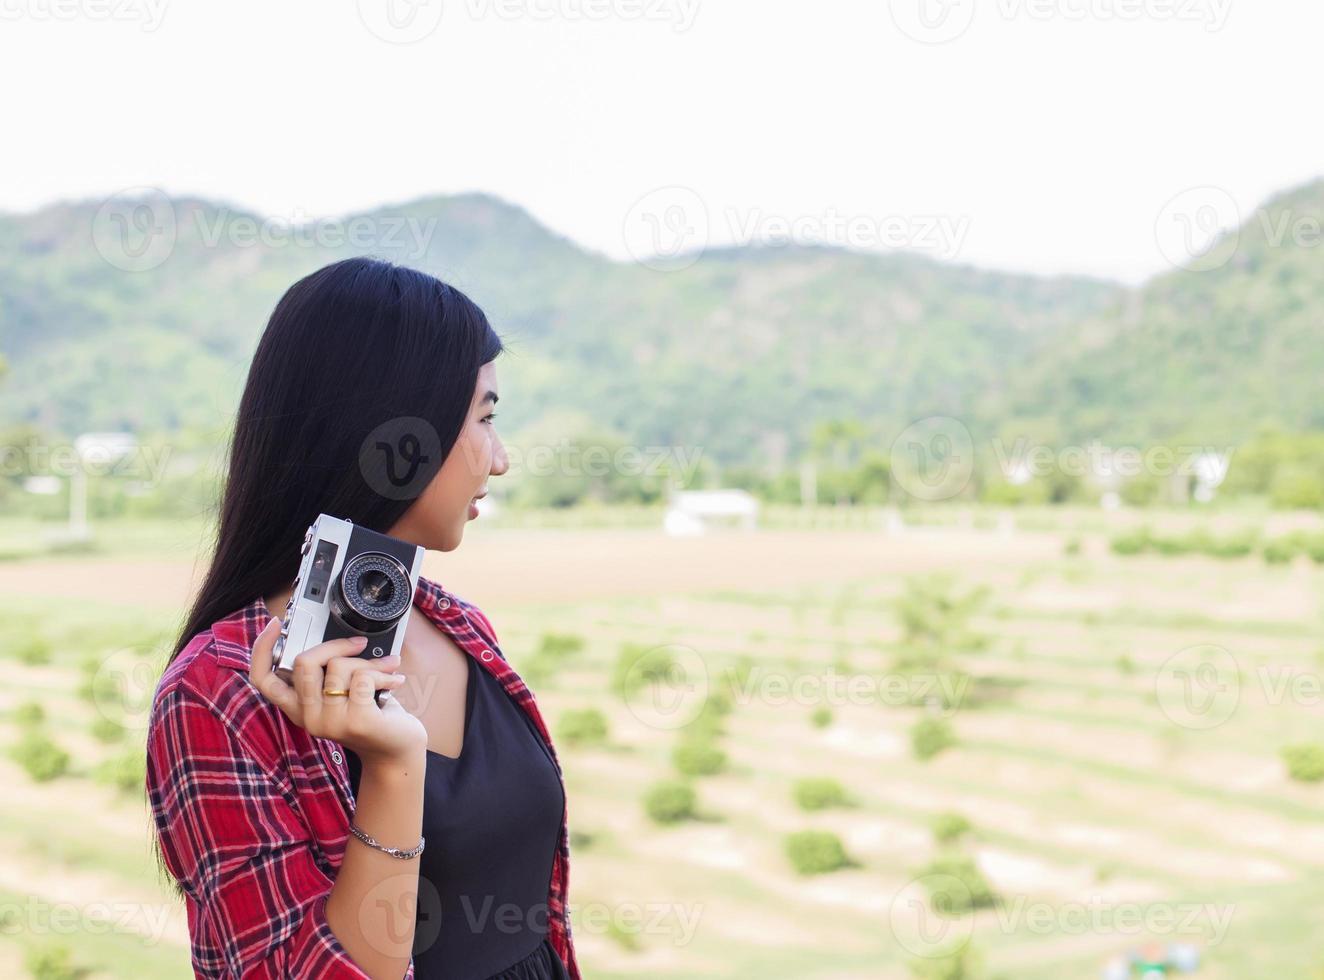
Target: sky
[{"x": 1095, "y": 137}]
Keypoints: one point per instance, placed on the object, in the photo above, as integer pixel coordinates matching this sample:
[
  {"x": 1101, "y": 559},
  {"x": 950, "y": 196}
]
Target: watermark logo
[
  {"x": 667, "y": 229},
  {"x": 401, "y": 21},
  {"x": 933, "y": 459},
  {"x": 1199, "y": 687},
  {"x": 926, "y": 916},
  {"x": 932, "y": 21},
  {"x": 135, "y": 230},
  {"x": 666, "y": 687},
  {"x": 1198, "y": 229},
  {"x": 123, "y": 687},
  {"x": 399, "y": 457}
]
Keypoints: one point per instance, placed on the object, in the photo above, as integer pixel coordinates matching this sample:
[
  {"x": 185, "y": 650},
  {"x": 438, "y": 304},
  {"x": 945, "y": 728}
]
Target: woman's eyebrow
[{"x": 491, "y": 396}]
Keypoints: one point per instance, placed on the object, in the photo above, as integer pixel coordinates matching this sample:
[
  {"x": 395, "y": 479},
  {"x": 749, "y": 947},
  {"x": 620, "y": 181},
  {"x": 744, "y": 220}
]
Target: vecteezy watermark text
[
  {"x": 148, "y": 13},
  {"x": 670, "y": 228},
  {"x": 940, "y": 21},
  {"x": 37, "y": 458}
]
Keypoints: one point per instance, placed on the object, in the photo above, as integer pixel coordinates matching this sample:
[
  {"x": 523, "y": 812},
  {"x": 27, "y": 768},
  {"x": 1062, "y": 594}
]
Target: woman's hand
[{"x": 387, "y": 733}]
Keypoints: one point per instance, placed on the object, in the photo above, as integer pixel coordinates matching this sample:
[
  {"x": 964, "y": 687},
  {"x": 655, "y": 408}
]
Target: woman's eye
[{"x": 490, "y": 417}]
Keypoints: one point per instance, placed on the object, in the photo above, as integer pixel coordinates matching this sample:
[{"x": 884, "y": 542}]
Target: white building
[{"x": 693, "y": 512}]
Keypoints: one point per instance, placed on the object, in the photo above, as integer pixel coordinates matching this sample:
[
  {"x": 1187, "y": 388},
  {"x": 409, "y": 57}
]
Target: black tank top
[{"x": 492, "y": 818}]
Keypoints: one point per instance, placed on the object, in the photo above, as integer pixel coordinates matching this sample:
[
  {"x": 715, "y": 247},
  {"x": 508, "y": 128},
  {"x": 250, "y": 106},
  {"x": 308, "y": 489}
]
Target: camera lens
[{"x": 372, "y": 593}]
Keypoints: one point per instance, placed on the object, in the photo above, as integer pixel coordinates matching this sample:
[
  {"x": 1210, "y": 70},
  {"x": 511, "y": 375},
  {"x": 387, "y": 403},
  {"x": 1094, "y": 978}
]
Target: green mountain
[
  {"x": 743, "y": 353},
  {"x": 1210, "y": 357}
]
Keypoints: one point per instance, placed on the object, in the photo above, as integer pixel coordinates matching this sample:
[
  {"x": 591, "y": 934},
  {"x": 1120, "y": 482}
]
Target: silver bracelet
[{"x": 393, "y": 851}]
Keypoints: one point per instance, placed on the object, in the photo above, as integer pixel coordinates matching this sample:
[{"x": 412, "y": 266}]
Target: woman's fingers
[
  {"x": 365, "y": 684},
  {"x": 260, "y": 670}
]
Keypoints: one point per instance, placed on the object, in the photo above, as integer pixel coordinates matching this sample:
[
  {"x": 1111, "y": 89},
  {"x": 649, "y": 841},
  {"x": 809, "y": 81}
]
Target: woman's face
[{"x": 437, "y": 518}]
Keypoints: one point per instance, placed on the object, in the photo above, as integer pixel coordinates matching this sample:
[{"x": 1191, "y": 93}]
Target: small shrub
[
  {"x": 959, "y": 962},
  {"x": 625, "y": 936},
  {"x": 1125, "y": 665},
  {"x": 670, "y": 802},
  {"x": 586, "y": 726},
  {"x": 51, "y": 963},
  {"x": 819, "y": 793},
  {"x": 33, "y": 651},
  {"x": 693, "y": 757},
  {"x": 559, "y": 646},
  {"x": 638, "y": 666},
  {"x": 1133, "y": 542},
  {"x": 821, "y": 716},
  {"x": 107, "y": 729},
  {"x": 39, "y": 756},
  {"x": 709, "y": 722},
  {"x": 28, "y": 714},
  {"x": 813, "y": 852},
  {"x": 126, "y": 771},
  {"x": 582, "y": 839},
  {"x": 1072, "y": 547},
  {"x": 956, "y": 885},
  {"x": 1305, "y": 763},
  {"x": 929, "y": 736},
  {"x": 1234, "y": 546},
  {"x": 948, "y": 828},
  {"x": 1281, "y": 551}
]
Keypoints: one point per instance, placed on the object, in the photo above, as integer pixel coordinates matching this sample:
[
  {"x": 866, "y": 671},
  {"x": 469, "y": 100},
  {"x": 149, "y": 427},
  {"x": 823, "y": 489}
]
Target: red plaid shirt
[{"x": 254, "y": 812}]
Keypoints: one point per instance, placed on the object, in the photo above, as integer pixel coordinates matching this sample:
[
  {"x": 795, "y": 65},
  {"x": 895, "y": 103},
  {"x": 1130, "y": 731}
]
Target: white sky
[{"x": 1049, "y": 137}]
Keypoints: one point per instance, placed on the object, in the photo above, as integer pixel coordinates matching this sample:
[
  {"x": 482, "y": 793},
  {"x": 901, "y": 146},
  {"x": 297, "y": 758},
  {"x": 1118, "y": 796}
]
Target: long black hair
[
  {"x": 354, "y": 346},
  {"x": 351, "y": 347}
]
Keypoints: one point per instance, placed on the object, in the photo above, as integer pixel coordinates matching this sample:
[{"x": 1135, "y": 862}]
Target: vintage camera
[{"x": 352, "y": 582}]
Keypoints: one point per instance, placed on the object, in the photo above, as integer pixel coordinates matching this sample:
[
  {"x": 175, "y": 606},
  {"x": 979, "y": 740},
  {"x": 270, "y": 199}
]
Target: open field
[{"x": 1096, "y": 796}]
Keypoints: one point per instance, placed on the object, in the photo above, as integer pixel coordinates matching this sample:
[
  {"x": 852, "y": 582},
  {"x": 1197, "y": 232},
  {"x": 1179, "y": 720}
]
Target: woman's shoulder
[
  {"x": 211, "y": 670},
  {"x": 444, "y": 599}
]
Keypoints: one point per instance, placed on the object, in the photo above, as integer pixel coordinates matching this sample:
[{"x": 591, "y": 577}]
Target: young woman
[{"x": 323, "y": 829}]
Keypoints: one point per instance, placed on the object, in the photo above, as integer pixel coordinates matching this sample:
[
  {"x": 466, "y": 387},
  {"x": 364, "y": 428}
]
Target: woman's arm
[
  {"x": 372, "y": 906},
  {"x": 267, "y": 905}
]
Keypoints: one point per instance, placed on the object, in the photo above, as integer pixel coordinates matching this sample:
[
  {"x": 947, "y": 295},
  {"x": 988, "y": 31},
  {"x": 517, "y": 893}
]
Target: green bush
[
  {"x": 126, "y": 771},
  {"x": 33, "y": 651},
  {"x": 1237, "y": 545},
  {"x": 586, "y": 726},
  {"x": 709, "y": 722},
  {"x": 638, "y": 666},
  {"x": 39, "y": 756},
  {"x": 670, "y": 802},
  {"x": 1305, "y": 763},
  {"x": 29, "y": 713},
  {"x": 1297, "y": 488},
  {"x": 1281, "y": 551},
  {"x": 695, "y": 757},
  {"x": 929, "y": 736},
  {"x": 948, "y": 828},
  {"x": 107, "y": 730},
  {"x": 819, "y": 793},
  {"x": 956, "y": 885},
  {"x": 51, "y": 963},
  {"x": 821, "y": 716},
  {"x": 559, "y": 646},
  {"x": 960, "y": 962},
  {"x": 625, "y": 936},
  {"x": 813, "y": 852},
  {"x": 1131, "y": 542}
]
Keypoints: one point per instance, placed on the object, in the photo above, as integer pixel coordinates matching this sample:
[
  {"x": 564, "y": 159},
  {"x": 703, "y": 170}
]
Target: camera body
[{"x": 351, "y": 582}]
